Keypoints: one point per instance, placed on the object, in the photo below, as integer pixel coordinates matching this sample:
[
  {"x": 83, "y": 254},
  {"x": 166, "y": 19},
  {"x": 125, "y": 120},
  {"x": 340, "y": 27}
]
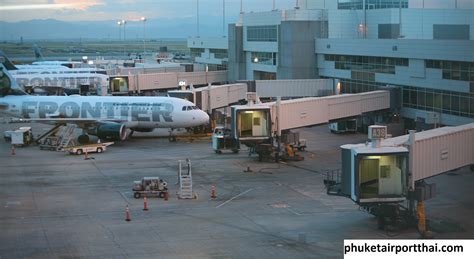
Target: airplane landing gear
[{"x": 172, "y": 138}]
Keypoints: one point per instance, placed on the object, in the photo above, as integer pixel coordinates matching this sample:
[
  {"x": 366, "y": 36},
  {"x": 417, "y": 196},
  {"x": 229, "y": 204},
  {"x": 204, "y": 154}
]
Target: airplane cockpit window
[{"x": 190, "y": 108}]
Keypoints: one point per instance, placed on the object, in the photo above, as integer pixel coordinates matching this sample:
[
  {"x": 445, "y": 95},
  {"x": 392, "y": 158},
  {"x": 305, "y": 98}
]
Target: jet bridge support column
[
  {"x": 411, "y": 182},
  {"x": 278, "y": 128}
]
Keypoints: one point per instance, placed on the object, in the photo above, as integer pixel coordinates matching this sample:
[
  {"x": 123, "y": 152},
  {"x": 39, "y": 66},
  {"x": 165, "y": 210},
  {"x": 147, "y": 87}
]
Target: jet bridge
[
  {"x": 219, "y": 96},
  {"x": 428, "y": 153},
  {"x": 310, "y": 111},
  {"x": 213, "y": 96},
  {"x": 303, "y": 112},
  {"x": 380, "y": 177}
]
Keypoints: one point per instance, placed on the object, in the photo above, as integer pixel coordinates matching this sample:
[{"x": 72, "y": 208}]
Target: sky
[
  {"x": 97, "y": 19},
  {"x": 131, "y": 10}
]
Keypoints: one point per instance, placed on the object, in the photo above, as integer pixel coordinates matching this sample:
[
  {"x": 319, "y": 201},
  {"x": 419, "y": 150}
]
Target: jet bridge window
[
  {"x": 254, "y": 123},
  {"x": 382, "y": 176},
  {"x": 119, "y": 84}
]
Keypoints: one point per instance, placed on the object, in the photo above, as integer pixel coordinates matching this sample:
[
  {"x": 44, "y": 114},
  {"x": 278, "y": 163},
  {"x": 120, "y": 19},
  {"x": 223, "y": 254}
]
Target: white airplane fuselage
[
  {"x": 64, "y": 80},
  {"x": 132, "y": 112},
  {"x": 31, "y": 69}
]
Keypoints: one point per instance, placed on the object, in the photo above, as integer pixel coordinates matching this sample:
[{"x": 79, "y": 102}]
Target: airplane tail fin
[
  {"x": 7, "y": 83},
  {"x": 6, "y": 62},
  {"x": 38, "y": 54}
]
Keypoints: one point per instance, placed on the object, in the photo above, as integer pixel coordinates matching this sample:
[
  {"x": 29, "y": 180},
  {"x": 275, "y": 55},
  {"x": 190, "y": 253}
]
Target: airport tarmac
[{"x": 58, "y": 205}]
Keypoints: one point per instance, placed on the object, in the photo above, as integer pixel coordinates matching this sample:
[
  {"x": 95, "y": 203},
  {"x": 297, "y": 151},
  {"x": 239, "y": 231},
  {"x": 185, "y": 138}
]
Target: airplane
[
  {"x": 107, "y": 117},
  {"x": 41, "y": 62},
  {"x": 56, "y": 70},
  {"x": 68, "y": 79}
]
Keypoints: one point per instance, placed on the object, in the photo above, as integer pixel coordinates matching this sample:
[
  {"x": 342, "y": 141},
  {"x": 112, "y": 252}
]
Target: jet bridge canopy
[
  {"x": 258, "y": 122},
  {"x": 252, "y": 122},
  {"x": 304, "y": 112},
  {"x": 369, "y": 173},
  {"x": 374, "y": 175}
]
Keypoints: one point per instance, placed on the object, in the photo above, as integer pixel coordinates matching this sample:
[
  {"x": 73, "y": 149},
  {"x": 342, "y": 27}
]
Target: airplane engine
[{"x": 112, "y": 131}]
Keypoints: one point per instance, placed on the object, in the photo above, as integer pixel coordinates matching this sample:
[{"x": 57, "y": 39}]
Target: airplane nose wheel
[
  {"x": 83, "y": 139},
  {"x": 171, "y": 137}
]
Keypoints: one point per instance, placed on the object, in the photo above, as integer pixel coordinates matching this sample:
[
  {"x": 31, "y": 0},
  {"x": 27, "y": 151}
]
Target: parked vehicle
[
  {"x": 344, "y": 126},
  {"x": 90, "y": 148},
  {"x": 149, "y": 186}
]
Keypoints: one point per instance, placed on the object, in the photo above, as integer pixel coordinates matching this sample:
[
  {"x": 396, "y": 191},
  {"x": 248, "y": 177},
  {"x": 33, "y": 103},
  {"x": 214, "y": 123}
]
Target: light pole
[
  {"x": 223, "y": 18},
  {"x": 123, "y": 23},
  {"x": 119, "y": 23},
  {"x": 143, "y": 19},
  {"x": 197, "y": 12}
]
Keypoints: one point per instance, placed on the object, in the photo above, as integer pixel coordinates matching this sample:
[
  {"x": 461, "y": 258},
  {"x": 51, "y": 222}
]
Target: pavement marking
[
  {"x": 294, "y": 212},
  {"x": 124, "y": 197},
  {"x": 229, "y": 200},
  {"x": 12, "y": 203},
  {"x": 280, "y": 206}
]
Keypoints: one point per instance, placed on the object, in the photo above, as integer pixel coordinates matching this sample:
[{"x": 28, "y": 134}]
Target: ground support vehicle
[
  {"x": 20, "y": 137},
  {"x": 223, "y": 140},
  {"x": 89, "y": 148},
  {"x": 150, "y": 186}
]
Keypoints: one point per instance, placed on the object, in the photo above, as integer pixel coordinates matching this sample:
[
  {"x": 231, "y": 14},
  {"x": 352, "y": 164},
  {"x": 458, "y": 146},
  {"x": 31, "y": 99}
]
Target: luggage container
[
  {"x": 347, "y": 126},
  {"x": 20, "y": 137}
]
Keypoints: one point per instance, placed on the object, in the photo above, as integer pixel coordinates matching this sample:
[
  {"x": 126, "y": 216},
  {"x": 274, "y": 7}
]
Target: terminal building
[{"x": 424, "y": 48}]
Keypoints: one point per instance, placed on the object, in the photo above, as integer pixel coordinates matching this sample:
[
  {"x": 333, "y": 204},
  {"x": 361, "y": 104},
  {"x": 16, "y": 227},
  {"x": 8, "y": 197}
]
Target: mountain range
[{"x": 51, "y": 29}]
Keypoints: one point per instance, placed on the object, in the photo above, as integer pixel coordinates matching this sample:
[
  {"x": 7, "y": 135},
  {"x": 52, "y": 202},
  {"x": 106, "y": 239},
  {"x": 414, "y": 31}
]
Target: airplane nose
[{"x": 204, "y": 117}]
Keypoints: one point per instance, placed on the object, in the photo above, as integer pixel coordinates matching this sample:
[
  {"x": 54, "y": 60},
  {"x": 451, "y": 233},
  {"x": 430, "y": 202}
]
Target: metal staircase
[
  {"x": 185, "y": 180},
  {"x": 66, "y": 137},
  {"x": 48, "y": 133},
  {"x": 58, "y": 138}
]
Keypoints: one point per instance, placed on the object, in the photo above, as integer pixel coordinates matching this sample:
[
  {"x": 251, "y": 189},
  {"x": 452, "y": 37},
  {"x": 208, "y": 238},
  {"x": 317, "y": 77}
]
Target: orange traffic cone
[
  {"x": 13, "y": 150},
  {"x": 166, "y": 195},
  {"x": 128, "y": 217},
  {"x": 145, "y": 203},
  {"x": 213, "y": 192}
]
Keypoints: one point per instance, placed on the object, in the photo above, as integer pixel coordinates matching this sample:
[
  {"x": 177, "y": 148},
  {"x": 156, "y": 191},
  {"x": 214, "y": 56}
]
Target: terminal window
[
  {"x": 389, "y": 31},
  {"x": 196, "y": 52},
  {"x": 219, "y": 53},
  {"x": 262, "y": 33},
  {"x": 442, "y": 101},
  {"x": 451, "y": 31},
  {"x": 371, "y": 4},
  {"x": 453, "y": 70},
  {"x": 264, "y": 58},
  {"x": 384, "y": 65}
]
